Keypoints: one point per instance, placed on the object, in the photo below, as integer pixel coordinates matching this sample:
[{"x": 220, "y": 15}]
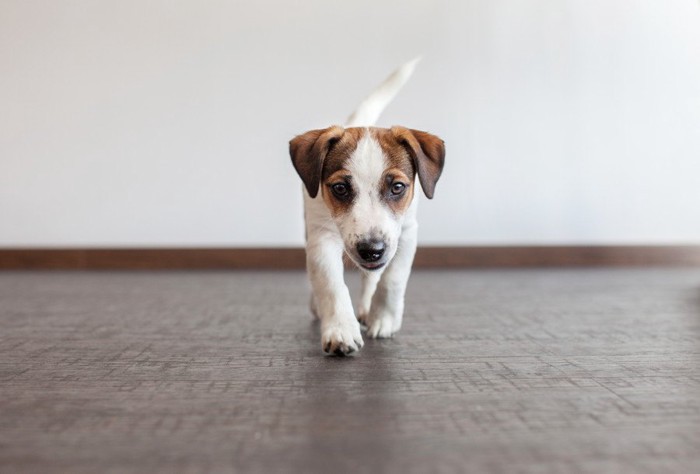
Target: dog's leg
[
  {"x": 313, "y": 307},
  {"x": 369, "y": 285},
  {"x": 386, "y": 313},
  {"x": 340, "y": 331}
]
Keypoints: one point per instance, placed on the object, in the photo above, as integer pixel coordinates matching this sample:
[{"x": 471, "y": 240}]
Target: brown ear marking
[
  {"x": 428, "y": 154},
  {"x": 308, "y": 151}
]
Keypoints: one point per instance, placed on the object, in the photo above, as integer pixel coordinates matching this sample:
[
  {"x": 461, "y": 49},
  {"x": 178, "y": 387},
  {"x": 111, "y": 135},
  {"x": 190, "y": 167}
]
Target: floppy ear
[
  {"x": 428, "y": 154},
  {"x": 308, "y": 152}
]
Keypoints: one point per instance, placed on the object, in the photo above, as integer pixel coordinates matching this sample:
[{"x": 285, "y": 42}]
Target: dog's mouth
[{"x": 372, "y": 266}]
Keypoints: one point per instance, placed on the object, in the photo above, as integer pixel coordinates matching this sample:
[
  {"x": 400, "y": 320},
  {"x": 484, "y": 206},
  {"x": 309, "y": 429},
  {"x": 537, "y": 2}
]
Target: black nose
[{"x": 371, "y": 250}]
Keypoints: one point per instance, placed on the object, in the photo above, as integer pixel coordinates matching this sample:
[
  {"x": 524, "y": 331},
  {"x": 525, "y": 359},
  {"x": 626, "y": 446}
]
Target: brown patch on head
[
  {"x": 339, "y": 155},
  {"x": 335, "y": 171},
  {"x": 401, "y": 170}
]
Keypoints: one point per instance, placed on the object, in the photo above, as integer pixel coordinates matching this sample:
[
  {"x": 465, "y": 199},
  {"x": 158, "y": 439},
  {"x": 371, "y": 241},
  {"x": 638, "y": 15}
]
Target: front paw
[
  {"x": 341, "y": 338},
  {"x": 380, "y": 326}
]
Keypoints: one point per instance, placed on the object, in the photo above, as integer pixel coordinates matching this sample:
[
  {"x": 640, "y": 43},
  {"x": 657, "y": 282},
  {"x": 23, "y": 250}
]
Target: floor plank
[{"x": 586, "y": 370}]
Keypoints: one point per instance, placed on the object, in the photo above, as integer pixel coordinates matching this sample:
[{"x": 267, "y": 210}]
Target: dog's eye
[
  {"x": 397, "y": 188},
  {"x": 340, "y": 189}
]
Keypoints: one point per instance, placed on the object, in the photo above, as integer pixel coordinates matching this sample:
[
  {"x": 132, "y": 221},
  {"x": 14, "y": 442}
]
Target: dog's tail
[{"x": 371, "y": 108}]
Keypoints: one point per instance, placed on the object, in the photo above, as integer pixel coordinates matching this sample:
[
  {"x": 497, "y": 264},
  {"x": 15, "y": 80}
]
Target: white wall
[{"x": 135, "y": 123}]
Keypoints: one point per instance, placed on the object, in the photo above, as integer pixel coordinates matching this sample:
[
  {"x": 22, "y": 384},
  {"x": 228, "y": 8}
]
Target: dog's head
[{"x": 366, "y": 178}]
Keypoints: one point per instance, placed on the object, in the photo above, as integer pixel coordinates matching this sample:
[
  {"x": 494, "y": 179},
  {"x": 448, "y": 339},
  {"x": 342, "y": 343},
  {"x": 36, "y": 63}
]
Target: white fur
[
  {"x": 374, "y": 104},
  {"x": 382, "y": 301}
]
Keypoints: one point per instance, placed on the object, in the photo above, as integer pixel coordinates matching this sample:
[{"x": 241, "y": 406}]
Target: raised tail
[{"x": 374, "y": 104}]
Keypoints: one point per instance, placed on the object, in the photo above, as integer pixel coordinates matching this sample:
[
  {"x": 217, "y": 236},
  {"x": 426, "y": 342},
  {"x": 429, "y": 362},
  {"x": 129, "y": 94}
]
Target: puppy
[{"x": 360, "y": 199}]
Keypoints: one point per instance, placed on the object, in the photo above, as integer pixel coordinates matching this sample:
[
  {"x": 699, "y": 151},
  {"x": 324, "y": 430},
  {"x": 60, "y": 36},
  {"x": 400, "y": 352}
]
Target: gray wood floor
[{"x": 495, "y": 371}]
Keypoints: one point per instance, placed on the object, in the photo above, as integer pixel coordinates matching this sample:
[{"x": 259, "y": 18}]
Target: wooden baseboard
[
  {"x": 293, "y": 258},
  {"x": 559, "y": 256}
]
